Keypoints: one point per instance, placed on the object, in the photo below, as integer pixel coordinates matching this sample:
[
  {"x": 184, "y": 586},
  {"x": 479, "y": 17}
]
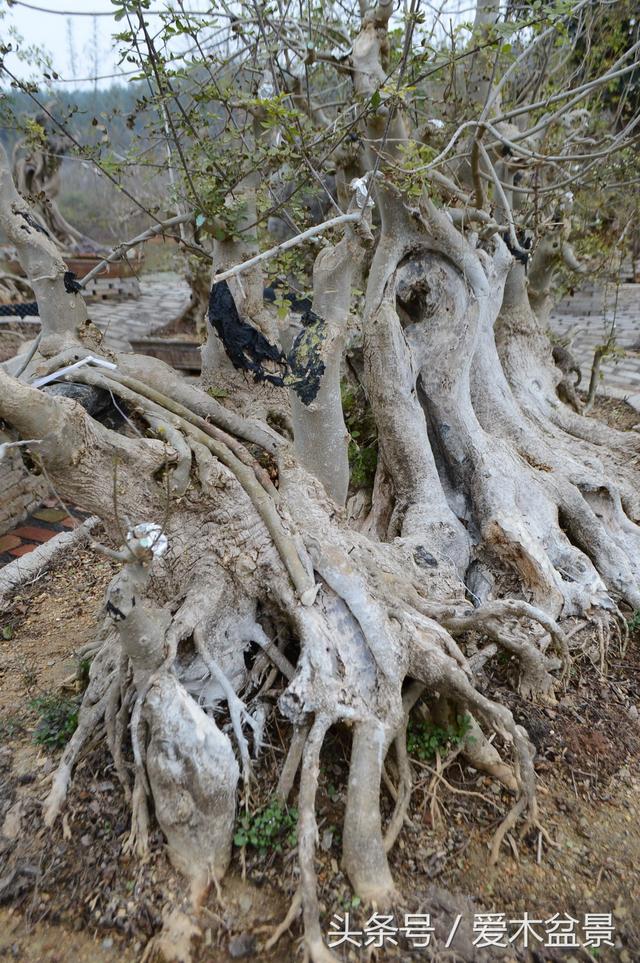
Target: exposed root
[
  {"x": 116, "y": 715},
  {"x": 307, "y": 839},
  {"x": 505, "y": 827},
  {"x": 482, "y": 755},
  {"x": 138, "y": 839},
  {"x": 88, "y": 718},
  {"x": 181, "y": 474},
  {"x": 402, "y": 795},
  {"x": 291, "y": 764},
  {"x": 403, "y": 791},
  {"x": 475, "y": 747},
  {"x": 535, "y": 665},
  {"x": 374, "y": 634},
  {"x": 363, "y": 846},
  {"x": 237, "y": 708},
  {"x": 292, "y": 913},
  {"x": 174, "y": 940},
  {"x": 253, "y": 480},
  {"x": 193, "y": 775}
]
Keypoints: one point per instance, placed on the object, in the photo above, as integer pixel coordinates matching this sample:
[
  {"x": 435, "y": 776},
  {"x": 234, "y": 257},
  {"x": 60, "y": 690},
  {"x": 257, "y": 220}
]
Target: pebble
[
  {"x": 107, "y": 943},
  {"x": 246, "y": 902},
  {"x": 242, "y": 945},
  {"x": 327, "y": 839}
]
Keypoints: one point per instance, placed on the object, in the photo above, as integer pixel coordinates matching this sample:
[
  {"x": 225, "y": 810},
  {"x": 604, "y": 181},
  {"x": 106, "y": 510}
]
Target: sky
[
  {"x": 79, "y": 43},
  {"x": 77, "y": 35}
]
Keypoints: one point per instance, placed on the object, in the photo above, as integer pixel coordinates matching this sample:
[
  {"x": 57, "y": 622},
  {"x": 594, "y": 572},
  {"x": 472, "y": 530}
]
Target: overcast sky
[
  {"x": 77, "y": 34},
  {"x": 76, "y": 40}
]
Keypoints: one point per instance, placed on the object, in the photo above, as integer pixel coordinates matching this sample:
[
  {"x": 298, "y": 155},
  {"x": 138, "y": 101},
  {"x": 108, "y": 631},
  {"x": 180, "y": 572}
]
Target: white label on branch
[
  {"x": 148, "y": 535},
  {"x": 61, "y": 372}
]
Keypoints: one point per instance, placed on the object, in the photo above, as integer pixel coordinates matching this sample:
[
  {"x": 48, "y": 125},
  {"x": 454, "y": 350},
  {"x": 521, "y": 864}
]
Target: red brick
[
  {"x": 8, "y": 542},
  {"x": 34, "y": 533},
  {"x": 22, "y": 550}
]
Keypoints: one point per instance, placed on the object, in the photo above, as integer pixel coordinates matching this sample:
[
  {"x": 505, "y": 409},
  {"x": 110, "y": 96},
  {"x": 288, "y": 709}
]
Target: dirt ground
[{"x": 74, "y": 894}]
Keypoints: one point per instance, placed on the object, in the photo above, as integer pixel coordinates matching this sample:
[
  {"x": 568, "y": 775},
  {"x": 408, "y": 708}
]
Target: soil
[
  {"x": 615, "y": 413},
  {"x": 75, "y": 894}
]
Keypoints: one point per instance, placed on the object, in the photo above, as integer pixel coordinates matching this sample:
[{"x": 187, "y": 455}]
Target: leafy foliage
[
  {"x": 58, "y": 720},
  {"x": 425, "y": 739},
  {"x": 634, "y": 622},
  {"x": 268, "y": 830},
  {"x": 82, "y": 672},
  {"x": 363, "y": 444}
]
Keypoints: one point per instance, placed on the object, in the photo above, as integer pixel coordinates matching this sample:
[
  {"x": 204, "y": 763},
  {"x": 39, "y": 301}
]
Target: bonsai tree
[{"x": 230, "y": 510}]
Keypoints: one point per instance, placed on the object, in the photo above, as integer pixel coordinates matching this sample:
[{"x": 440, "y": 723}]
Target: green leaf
[{"x": 375, "y": 99}]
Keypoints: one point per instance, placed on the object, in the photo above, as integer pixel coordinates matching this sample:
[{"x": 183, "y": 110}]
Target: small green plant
[
  {"x": 268, "y": 830},
  {"x": 363, "y": 444},
  {"x": 424, "y": 739},
  {"x": 58, "y": 720},
  {"x": 634, "y": 622},
  {"x": 217, "y": 392},
  {"x": 82, "y": 672}
]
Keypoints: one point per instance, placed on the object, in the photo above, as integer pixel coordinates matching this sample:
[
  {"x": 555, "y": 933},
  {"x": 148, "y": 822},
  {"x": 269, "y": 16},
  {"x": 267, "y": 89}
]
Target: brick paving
[
  {"x": 40, "y": 526},
  {"x": 588, "y": 316},
  {"x": 163, "y": 296}
]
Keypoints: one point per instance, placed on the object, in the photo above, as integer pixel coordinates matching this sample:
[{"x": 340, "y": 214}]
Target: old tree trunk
[{"x": 255, "y": 561}]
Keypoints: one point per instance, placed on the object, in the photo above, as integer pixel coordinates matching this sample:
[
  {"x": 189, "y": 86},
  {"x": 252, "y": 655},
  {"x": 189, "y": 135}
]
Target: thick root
[
  {"x": 363, "y": 848},
  {"x": 193, "y": 775}
]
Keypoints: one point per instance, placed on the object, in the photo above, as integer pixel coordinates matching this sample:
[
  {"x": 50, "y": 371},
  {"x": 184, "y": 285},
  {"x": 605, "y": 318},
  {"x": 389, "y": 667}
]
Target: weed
[
  {"x": 82, "y": 672},
  {"x": 424, "y": 739},
  {"x": 58, "y": 720},
  {"x": 333, "y": 793},
  {"x": 634, "y": 622},
  {"x": 218, "y": 392},
  {"x": 363, "y": 444},
  {"x": 268, "y": 830}
]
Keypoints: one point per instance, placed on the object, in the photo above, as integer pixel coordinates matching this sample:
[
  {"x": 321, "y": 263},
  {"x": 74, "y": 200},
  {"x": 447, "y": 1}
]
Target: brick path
[
  {"x": 163, "y": 296},
  {"x": 37, "y": 528},
  {"x": 590, "y": 312}
]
